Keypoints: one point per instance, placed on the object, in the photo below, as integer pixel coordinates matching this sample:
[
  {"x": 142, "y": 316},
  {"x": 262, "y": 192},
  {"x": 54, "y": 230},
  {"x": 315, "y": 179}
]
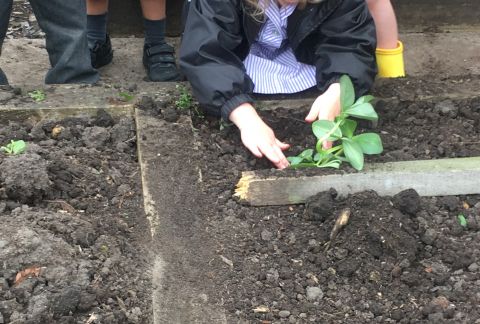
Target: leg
[
  {"x": 5, "y": 10},
  {"x": 64, "y": 24},
  {"x": 385, "y": 21},
  {"x": 158, "y": 56},
  {"x": 98, "y": 40},
  {"x": 389, "y": 49}
]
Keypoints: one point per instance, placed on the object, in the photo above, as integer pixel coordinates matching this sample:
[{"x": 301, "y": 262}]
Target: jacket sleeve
[
  {"x": 213, "y": 32},
  {"x": 347, "y": 46}
]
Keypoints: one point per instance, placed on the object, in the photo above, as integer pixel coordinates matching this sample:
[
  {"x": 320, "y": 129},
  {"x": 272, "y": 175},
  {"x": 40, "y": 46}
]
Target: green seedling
[
  {"x": 14, "y": 148},
  {"x": 185, "y": 100},
  {"x": 37, "y": 95},
  {"x": 126, "y": 96},
  {"x": 461, "y": 220},
  {"x": 351, "y": 147}
]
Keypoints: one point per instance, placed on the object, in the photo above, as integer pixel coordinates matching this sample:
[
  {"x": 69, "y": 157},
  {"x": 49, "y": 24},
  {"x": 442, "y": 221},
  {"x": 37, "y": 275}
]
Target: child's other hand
[
  {"x": 258, "y": 137},
  {"x": 326, "y": 106}
]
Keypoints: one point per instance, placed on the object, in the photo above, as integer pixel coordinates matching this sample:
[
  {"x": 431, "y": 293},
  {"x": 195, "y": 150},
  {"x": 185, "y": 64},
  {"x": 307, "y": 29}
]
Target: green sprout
[
  {"x": 185, "y": 100},
  {"x": 14, "y": 148},
  {"x": 352, "y": 147},
  {"x": 37, "y": 95},
  {"x": 461, "y": 220},
  {"x": 126, "y": 96}
]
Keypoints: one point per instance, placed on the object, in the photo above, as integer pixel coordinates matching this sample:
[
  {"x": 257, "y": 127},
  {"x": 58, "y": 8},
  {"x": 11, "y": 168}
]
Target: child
[
  {"x": 64, "y": 25},
  {"x": 233, "y": 48},
  {"x": 389, "y": 48},
  {"x": 158, "y": 56}
]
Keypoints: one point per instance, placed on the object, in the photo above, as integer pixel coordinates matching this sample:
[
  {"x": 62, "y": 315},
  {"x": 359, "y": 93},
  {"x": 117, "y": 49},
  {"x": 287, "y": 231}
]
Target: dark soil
[
  {"x": 23, "y": 23},
  {"x": 72, "y": 220},
  {"x": 403, "y": 259}
]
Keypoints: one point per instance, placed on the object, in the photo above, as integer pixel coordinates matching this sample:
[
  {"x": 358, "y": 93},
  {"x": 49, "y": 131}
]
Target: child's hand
[
  {"x": 258, "y": 137},
  {"x": 326, "y": 106}
]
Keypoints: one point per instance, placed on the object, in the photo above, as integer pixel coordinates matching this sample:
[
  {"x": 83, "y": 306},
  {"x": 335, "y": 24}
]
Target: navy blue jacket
[{"x": 336, "y": 36}]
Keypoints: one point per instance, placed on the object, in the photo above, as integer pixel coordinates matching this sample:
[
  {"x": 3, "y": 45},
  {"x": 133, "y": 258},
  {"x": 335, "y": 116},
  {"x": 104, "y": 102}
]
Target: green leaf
[
  {"x": 318, "y": 156},
  {"x": 126, "y": 96},
  {"x": 461, "y": 220},
  {"x": 347, "y": 92},
  {"x": 331, "y": 164},
  {"x": 302, "y": 165},
  {"x": 348, "y": 128},
  {"x": 37, "y": 95},
  {"x": 15, "y": 147},
  {"x": 364, "y": 99},
  {"x": 327, "y": 130},
  {"x": 294, "y": 160},
  {"x": 370, "y": 143},
  {"x": 18, "y": 147},
  {"x": 363, "y": 111},
  {"x": 306, "y": 155},
  {"x": 353, "y": 153}
]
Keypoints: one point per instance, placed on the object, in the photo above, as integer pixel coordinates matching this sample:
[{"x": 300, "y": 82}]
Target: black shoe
[
  {"x": 3, "y": 78},
  {"x": 101, "y": 53},
  {"x": 159, "y": 60}
]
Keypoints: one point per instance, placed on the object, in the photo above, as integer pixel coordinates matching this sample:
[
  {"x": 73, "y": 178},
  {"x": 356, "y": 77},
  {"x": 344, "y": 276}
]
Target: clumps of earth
[
  {"x": 70, "y": 209},
  {"x": 400, "y": 259}
]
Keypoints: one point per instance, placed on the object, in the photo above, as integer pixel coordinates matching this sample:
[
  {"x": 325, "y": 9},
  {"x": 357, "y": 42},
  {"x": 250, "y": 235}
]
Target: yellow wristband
[{"x": 390, "y": 62}]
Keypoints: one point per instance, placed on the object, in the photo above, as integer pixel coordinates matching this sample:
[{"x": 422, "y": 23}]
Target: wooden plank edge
[{"x": 456, "y": 176}]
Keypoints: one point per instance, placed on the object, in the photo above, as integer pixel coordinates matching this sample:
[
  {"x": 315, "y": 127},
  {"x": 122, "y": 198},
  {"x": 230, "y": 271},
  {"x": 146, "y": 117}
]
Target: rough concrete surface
[{"x": 441, "y": 54}]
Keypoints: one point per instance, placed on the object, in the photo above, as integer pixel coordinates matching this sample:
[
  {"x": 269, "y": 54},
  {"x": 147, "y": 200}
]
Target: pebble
[
  {"x": 429, "y": 236},
  {"x": 266, "y": 235},
  {"x": 473, "y": 267},
  {"x": 314, "y": 293},
  {"x": 405, "y": 264},
  {"x": 284, "y": 313},
  {"x": 447, "y": 107}
]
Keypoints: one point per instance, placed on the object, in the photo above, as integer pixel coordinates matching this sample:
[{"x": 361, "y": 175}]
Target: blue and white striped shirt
[{"x": 271, "y": 64}]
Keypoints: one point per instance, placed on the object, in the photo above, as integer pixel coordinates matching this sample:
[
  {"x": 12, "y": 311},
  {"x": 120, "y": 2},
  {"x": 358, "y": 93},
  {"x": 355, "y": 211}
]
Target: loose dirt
[{"x": 71, "y": 207}]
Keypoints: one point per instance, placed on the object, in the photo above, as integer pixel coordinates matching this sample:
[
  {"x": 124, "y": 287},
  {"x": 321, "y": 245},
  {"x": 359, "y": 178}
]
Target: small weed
[
  {"x": 14, "y": 148},
  {"x": 462, "y": 220},
  {"x": 126, "y": 96},
  {"x": 185, "y": 100},
  {"x": 37, "y": 95}
]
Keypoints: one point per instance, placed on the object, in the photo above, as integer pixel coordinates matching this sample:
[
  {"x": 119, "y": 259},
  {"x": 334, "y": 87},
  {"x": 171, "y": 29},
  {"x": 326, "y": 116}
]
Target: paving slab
[{"x": 183, "y": 278}]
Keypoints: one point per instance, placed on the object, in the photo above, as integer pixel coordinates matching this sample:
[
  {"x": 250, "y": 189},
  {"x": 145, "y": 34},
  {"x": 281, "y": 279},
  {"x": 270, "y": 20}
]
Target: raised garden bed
[{"x": 400, "y": 259}]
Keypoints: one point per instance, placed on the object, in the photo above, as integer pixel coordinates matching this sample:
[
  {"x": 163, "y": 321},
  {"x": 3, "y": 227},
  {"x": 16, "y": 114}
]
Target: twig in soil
[
  {"x": 227, "y": 261},
  {"x": 130, "y": 139},
  {"x": 65, "y": 206},
  {"x": 340, "y": 223},
  {"x": 91, "y": 319}
]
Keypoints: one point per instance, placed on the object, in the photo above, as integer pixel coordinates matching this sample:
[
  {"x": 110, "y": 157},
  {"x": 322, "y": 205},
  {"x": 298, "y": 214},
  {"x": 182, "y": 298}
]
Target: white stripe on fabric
[{"x": 271, "y": 64}]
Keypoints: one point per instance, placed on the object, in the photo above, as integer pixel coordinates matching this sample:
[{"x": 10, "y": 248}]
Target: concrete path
[{"x": 437, "y": 54}]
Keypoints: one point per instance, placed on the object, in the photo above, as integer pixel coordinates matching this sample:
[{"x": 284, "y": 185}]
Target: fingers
[
  {"x": 255, "y": 151},
  {"x": 275, "y": 155},
  {"x": 315, "y": 110}
]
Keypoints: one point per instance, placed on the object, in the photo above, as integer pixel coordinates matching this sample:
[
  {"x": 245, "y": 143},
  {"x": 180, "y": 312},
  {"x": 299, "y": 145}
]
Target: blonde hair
[{"x": 259, "y": 10}]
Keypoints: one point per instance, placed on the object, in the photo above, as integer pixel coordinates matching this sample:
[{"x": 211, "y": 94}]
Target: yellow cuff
[{"x": 390, "y": 62}]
